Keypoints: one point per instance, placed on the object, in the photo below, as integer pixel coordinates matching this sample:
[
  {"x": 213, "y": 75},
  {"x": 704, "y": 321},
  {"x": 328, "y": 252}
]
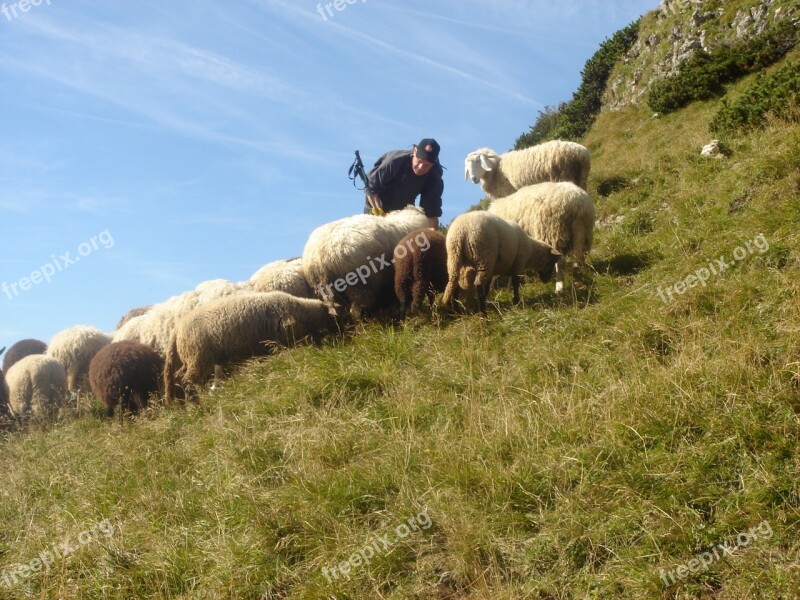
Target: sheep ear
[
  {"x": 486, "y": 163},
  {"x": 466, "y": 176},
  {"x": 555, "y": 252}
]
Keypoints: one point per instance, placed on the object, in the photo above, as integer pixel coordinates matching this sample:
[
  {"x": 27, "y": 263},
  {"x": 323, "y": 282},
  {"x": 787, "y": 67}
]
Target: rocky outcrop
[{"x": 677, "y": 30}]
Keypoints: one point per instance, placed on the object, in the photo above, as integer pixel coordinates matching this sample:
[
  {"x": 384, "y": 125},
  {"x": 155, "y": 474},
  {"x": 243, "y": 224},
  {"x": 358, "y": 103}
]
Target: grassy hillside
[{"x": 593, "y": 447}]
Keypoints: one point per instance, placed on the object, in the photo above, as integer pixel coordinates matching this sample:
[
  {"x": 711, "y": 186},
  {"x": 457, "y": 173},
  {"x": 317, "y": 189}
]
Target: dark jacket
[{"x": 396, "y": 184}]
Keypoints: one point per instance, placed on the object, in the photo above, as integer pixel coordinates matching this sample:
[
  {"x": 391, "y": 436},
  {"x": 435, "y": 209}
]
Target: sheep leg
[
  {"x": 515, "y": 281},
  {"x": 560, "y": 275},
  {"x": 450, "y": 292},
  {"x": 401, "y": 312},
  {"x": 137, "y": 402},
  {"x": 416, "y": 299},
  {"x": 418, "y": 292},
  {"x": 481, "y": 291},
  {"x": 218, "y": 374}
]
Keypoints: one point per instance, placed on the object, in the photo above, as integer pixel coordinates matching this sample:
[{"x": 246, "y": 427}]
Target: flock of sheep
[{"x": 540, "y": 213}]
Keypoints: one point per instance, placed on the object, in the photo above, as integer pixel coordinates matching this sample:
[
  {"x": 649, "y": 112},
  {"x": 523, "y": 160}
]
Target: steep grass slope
[{"x": 602, "y": 446}]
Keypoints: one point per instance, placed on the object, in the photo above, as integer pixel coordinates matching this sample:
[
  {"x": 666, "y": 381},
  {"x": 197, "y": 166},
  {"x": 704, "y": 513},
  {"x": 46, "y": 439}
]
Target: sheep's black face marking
[{"x": 547, "y": 274}]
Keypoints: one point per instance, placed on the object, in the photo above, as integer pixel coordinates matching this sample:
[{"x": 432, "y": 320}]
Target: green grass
[{"x": 565, "y": 449}]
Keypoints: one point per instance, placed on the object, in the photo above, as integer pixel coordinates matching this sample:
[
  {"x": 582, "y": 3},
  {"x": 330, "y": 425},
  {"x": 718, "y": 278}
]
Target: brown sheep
[
  {"x": 124, "y": 374},
  {"x": 3, "y": 396},
  {"x": 22, "y": 349},
  {"x": 420, "y": 268}
]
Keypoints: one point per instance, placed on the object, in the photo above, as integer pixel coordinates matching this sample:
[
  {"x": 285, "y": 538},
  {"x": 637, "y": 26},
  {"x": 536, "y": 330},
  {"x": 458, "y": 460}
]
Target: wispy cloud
[{"x": 340, "y": 33}]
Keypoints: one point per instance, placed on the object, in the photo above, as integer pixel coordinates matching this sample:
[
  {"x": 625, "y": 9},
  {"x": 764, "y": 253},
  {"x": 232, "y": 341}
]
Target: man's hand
[
  {"x": 433, "y": 223},
  {"x": 375, "y": 204}
]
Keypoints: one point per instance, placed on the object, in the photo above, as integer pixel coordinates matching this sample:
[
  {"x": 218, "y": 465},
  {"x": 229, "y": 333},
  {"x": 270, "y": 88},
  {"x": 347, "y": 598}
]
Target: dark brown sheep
[
  {"x": 22, "y": 349},
  {"x": 134, "y": 312},
  {"x": 125, "y": 374},
  {"x": 420, "y": 263},
  {"x": 3, "y": 396}
]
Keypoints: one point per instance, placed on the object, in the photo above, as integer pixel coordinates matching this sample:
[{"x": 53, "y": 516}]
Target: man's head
[{"x": 426, "y": 154}]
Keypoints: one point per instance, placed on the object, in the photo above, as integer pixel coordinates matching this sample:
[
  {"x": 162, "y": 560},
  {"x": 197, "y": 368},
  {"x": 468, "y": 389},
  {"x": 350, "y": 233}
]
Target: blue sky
[{"x": 162, "y": 144}]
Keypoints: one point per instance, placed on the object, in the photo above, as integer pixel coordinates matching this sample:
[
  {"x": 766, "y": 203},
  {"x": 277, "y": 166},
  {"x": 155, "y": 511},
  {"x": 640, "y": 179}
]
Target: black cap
[{"x": 428, "y": 149}]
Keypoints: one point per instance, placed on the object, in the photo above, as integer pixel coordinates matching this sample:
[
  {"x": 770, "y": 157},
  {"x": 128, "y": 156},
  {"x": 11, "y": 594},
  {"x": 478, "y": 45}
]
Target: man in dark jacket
[{"x": 399, "y": 176}]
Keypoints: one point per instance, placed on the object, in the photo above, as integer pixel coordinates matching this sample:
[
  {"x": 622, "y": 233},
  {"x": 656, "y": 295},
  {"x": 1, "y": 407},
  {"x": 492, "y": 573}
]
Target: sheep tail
[
  {"x": 171, "y": 365},
  {"x": 466, "y": 278}
]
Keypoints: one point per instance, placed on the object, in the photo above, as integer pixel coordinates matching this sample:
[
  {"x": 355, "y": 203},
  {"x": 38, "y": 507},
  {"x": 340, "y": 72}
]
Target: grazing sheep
[
  {"x": 420, "y": 268},
  {"x": 22, "y": 349},
  {"x": 282, "y": 276},
  {"x": 124, "y": 374},
  {"x": 237, "y": 328},
  {"x": 502, "y": 175},
  {"x": 481, "y": 245},
  {"x": 37, "y": 386},
  {"x": 559, "y": 214},
  {"x": 134, "y": 312},
  {"x": 154, "y": 327},
  {"x": 75, "y": 348},
  {"x": 350, "y": 260}
]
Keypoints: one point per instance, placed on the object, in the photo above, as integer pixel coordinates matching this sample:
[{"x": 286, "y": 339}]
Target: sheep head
[
  {"x": 478, "y": 163},
  {"x": 546, "y": 274}
]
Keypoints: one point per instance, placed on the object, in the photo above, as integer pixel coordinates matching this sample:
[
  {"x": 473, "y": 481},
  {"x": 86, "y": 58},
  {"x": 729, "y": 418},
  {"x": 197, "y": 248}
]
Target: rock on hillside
[{"x": 674, "y": 32}]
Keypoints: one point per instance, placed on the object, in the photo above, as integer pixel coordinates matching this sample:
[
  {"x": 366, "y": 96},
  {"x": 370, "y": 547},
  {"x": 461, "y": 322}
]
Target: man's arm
[{"x": 431, "y": 199}]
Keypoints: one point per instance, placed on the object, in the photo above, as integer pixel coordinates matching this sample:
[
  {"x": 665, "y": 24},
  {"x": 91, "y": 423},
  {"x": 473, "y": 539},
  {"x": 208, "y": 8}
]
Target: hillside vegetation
[{"x": 596, "y": 446}]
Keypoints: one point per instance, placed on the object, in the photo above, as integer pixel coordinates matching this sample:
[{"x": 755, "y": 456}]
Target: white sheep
[
  {"x": 75, "y": 348},
  {"x": 211, "y": 290},
  {"x": 350, "y": 260},
  {"x": 37, "y": 387},
  {"x": 502, "y": 175},
  {"x": 154, "y": 327},
  {"x": 237, "y": 328},
  {"x": 481, "y": 245},
  {"x": 282, "y": 276},
  {"x": 561, "y": 215}
]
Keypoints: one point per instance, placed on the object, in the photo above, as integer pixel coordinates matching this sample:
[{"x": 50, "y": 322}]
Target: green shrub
[
  {"x": 571, "y": 120},
  {"x": 704, "y": 75},
  {"x": 546, "y": 122},
  {"x": 768, "y": 93}
]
